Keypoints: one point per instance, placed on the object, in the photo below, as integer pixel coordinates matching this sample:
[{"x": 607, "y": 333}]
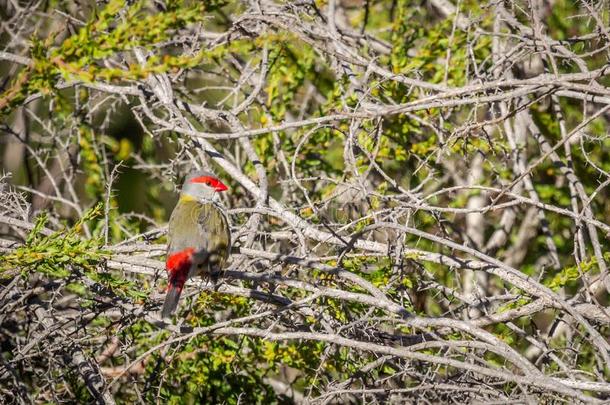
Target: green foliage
[
  {"x": 417, "y": 44},
  {"x": 204, "y": 371},
  {"x": 290, "y": 63},
  {"x": 570, "y": 276},
  {"x": 118, "y": 27},
  {"x": 56, "y": 254},
  {"x": 213, "y": 369},
  {"x": 64, "y": 254}
]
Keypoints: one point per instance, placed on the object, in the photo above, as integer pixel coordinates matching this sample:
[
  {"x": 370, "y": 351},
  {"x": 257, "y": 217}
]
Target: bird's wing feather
[{"x": 214, "y": 231}]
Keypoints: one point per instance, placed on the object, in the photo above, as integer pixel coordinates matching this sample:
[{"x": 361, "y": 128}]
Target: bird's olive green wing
[{"x": 215, "y": 235}]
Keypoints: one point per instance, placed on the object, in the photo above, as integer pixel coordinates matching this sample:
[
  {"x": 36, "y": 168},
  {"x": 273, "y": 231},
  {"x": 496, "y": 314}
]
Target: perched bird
[{"x": 199, "y": 238}]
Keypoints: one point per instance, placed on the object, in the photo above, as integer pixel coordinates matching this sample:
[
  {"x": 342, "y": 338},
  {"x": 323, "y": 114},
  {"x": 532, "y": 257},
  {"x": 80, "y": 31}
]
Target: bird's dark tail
[{"x": 171, "y": 301}]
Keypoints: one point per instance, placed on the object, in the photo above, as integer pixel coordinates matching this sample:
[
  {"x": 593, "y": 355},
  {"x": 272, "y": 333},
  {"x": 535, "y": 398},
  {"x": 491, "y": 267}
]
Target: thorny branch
[{"x": 451, "y": 261}]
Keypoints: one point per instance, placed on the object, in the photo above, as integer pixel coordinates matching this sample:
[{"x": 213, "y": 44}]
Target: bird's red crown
[{"x": 211, "y": 181}]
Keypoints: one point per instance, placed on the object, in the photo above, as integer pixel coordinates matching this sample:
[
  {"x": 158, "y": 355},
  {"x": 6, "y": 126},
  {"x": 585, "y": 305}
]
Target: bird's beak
[{"x": 220, "y": 186}]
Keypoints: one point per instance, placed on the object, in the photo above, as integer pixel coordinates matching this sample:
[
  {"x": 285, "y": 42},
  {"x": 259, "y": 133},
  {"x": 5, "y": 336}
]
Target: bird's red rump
[
  {"x": 179, "y": 260},
  {"x": 178, "y": 265},
  {"x": 212, "y": 181}
]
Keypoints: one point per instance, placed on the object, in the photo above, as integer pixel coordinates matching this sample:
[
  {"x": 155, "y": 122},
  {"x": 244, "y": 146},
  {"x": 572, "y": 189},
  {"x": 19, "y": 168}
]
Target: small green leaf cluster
[
  {"x": 571, "y": 276},
  {"x": 56, "y": 254},
  {"x": 117, "y": 28},
  {"x": 214, "y": 369}
]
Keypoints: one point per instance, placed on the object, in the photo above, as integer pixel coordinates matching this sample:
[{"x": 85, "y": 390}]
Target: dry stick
[
  {"x": 204, "y": 330},
  {"x": 549, "y": 152},
  {"x": 254, "y": 221},
  {"x": 513, "y": 137},
  {"x": 284, "y": 213},
  {"x": 518, "y": 199},
  {"x": 24, "y": 225},
  {"x": 143, "y": 265},
  {"x": 291, "y": 217},
  {"x": 440, "y": 100},
  {"x": 539, "y": 380},
  {"x": 514, "y": 277},
  {"x": 413, "y": 322},
  {"x": 562, "y": 386},
  {"x": 427, "y": 388},
  {"x": 87, "y": 368},
  {"x": 569, "y": 173},
  {"x": 381, "y": 73}
]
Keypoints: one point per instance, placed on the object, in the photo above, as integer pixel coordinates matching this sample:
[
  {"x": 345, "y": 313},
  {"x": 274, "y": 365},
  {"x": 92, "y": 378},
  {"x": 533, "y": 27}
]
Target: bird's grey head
[{"x": 202, "y": 185}]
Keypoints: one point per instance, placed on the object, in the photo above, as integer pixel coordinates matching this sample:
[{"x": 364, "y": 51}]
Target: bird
[{"x": 199, "y": 237}]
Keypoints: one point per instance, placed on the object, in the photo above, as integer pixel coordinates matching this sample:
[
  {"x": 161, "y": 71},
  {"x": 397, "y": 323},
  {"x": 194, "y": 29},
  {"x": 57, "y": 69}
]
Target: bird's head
[{"x": 202, "y": 185}]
